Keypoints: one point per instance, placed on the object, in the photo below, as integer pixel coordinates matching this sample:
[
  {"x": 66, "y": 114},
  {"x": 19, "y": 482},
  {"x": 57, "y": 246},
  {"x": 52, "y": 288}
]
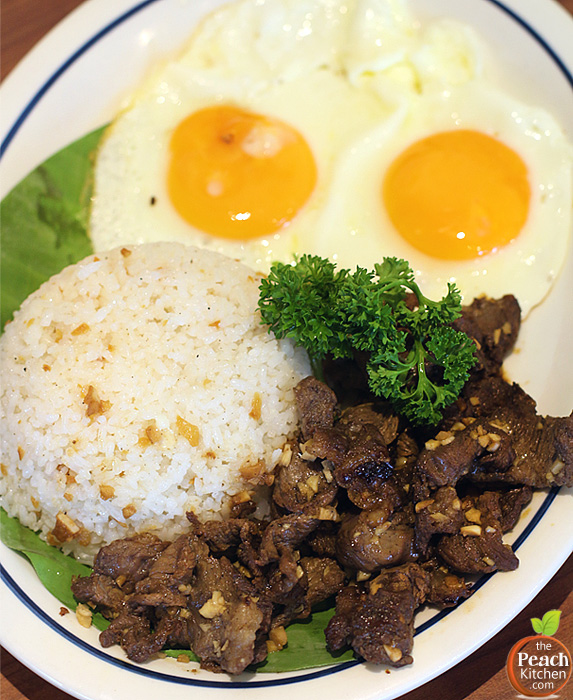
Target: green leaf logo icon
[
  {"x": 548, "y": 625},
  {"x": 537, "y": 625}
]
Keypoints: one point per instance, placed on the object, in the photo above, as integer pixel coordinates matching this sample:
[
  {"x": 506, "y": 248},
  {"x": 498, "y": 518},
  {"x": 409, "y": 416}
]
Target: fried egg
[
  {"x": 468, "y": 185},
  {"x": 344, "y": 129},
  {"x": 232, "y": 146}
]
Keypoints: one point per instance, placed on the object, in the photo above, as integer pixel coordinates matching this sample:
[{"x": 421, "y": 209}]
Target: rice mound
[{"x": 139, "y": 384}]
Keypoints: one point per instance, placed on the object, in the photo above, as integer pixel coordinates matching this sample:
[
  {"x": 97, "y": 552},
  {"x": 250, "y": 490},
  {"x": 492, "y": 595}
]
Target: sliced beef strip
[
  {"x": 328, "y": 444},
  {"x": 242, "y": 508},
  {"x": 322, "y": 541},
  {"x": 494, "y": 325},
  {"x": 130, "y": 557},
  {"x": 101, "y": 590},
  {"x": 534, "y": 450},
  {"x": 543, "y": 449},
  {"x": 353, "y": 419},
  {"x": 171, "y": 571},
  {"x": 478, "y": 547},
  {"x": 406, "y": 451},
  {"x": 324, "y": 576},
  {"x": 443, "y": 465},
  {"x": 502, "y": 506},
  {"x": 357, "y": 448},
  {"x": 316, "y": 404},
  {"x": 176, "y": 564},
  {"x": 445, "y": 588},
  {"x": 373, "y": 539},
  {"x": 476, "y": 555},
  {"x": 543, "y": 445},
  {"x": 287, "y": 591},
  {"x": 132, "y": 618},
  {"x": 141, "y": 636},
  {"x": 297, "y": 583},
  {"x": 511, "y": 503},
  {"x": 485, "y": 397},
  {"x": 221, "y": 536},
  {"x": 290, "y": 582},
  {"x": 453, "y": 454},
  {"x": 377, "y": 620},
  {"x": 225, "y": 536},
  {"x": 284, "y": 534},
  {"x": 228, "y": 621},
  {"x": 238, "y": 538},
  {"x": 303, "y": 484},
  {"x": 133, "y": 632},
  {"x": 172, "y": 626},
  {"x": 365, "y": 468},
  {"x": 314, "y": 580},
  {"x": 136, "y": 628},
  {"x": 440, "y": 514},
  {"x": 389, "y": 495}
]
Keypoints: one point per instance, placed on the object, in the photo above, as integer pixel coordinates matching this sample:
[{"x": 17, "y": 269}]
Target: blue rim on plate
[{"x": 141, "y": 670}]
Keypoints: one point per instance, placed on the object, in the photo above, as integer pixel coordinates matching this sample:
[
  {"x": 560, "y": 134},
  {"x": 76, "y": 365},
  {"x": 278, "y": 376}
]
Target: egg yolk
[
  {"x": 236, "y": 174},
  {"x": 456, "y": 195}
]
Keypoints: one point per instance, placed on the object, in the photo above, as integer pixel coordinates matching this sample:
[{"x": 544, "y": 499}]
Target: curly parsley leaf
[
  {"x": 417, "y": 360},
  {"x": 316, "y": 326}
]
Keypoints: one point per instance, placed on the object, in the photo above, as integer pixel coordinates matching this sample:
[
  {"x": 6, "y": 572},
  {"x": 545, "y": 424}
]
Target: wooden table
[{"x": 482, "y": 675}]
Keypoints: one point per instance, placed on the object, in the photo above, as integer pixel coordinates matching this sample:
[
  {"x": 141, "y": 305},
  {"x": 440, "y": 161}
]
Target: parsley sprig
[{"x": 416, "y": 359}]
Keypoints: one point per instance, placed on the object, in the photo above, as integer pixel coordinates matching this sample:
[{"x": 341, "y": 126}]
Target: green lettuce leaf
[
  {"x": 54, "y": 568},
  {"x": 44, "y": 222},
  {"x": 306, "y": 647}
]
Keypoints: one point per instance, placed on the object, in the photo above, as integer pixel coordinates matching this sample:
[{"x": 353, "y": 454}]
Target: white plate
[{"x": 74, "y": 81}]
